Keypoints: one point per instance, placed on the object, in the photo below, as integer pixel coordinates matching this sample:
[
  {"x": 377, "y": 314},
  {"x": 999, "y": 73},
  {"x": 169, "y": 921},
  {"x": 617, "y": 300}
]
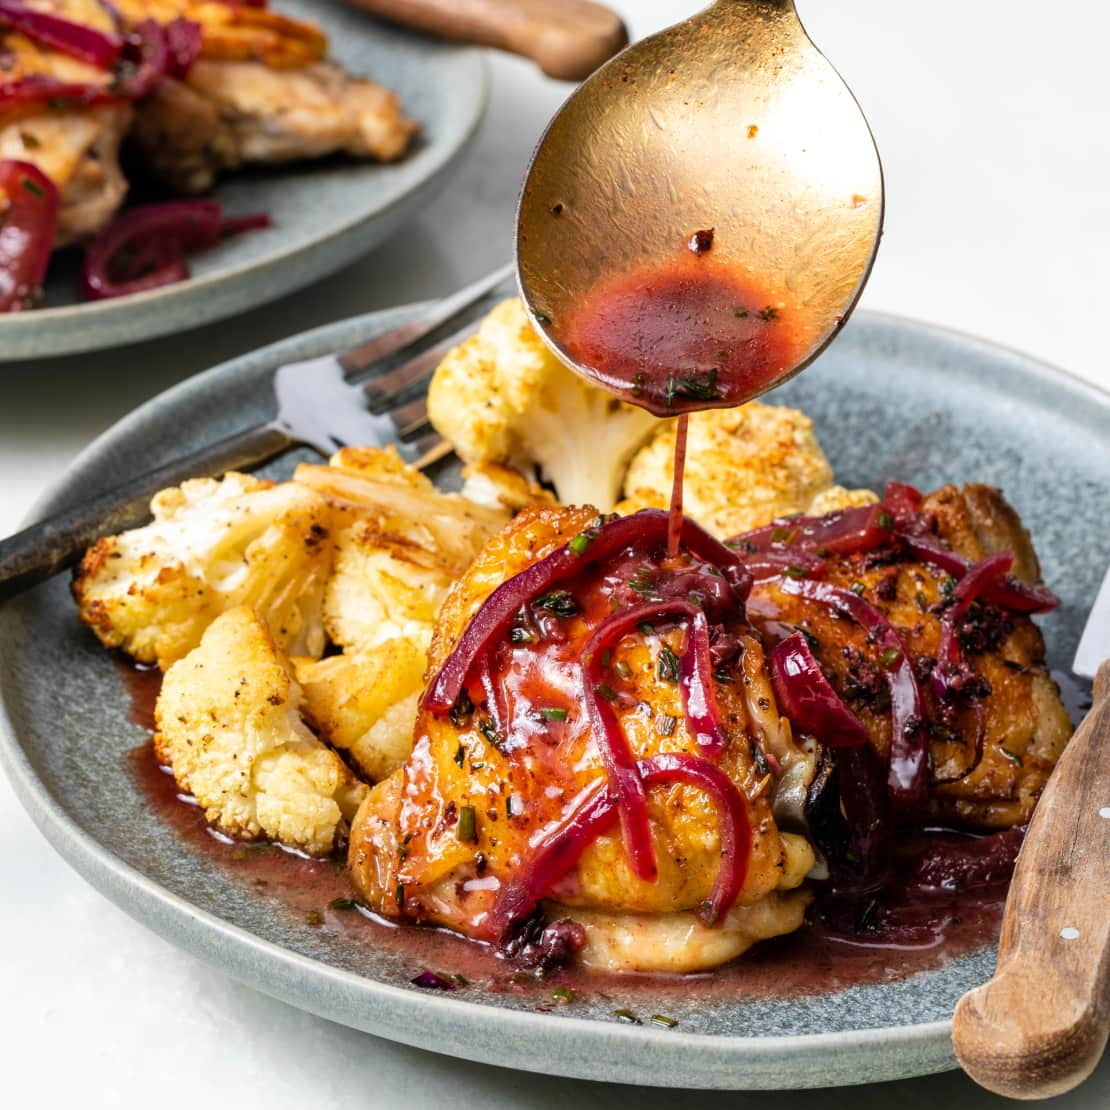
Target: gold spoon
[{"x": 731, "y": 121}]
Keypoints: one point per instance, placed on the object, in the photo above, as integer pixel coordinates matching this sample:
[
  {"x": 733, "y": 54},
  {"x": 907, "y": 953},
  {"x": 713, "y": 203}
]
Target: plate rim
[
  {"x": 253, "y": 959},
  {"x": 95, "y": 325}
]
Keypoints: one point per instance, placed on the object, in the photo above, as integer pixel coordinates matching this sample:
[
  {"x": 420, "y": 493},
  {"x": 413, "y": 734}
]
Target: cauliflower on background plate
[
  {"x": 744, "y": 467},
  {"x": 228, "y": 723},
  {"x": 213, "y": 545},
  {"x": 503, "y": 397}
]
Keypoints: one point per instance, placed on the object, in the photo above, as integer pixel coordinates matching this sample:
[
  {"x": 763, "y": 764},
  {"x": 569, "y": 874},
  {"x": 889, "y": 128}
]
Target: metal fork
[{"x": 373, "y": 395}]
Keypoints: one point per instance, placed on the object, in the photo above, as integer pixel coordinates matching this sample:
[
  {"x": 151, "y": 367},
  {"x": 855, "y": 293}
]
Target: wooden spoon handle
[
  {"x": 1039, "y": 1026},
  {"x": 567, "y": 39}
]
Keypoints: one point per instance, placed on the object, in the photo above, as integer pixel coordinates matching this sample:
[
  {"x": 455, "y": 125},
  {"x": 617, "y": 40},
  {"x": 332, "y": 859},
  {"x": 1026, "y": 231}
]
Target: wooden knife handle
[
  {"x": 567, "y": 39},
  {"x": 1039, "y": 1026}
]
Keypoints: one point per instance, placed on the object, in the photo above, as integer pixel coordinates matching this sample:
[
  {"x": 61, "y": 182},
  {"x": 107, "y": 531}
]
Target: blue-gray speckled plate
[
  {"x": 325, "y": 214},
  {"x": 890, "y": 398}
]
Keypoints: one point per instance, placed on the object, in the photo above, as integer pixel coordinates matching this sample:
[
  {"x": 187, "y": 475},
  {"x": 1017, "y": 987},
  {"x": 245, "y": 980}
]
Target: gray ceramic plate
[
  {"x": 325, "y": 214},
  {"x": 889, "y": 398}
]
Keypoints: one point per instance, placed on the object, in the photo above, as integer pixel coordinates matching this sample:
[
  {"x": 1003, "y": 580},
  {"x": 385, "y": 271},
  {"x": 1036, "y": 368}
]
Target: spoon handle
[
  {"x": 567, "y": 40},
  {"x": 1039, "y": 1026}
]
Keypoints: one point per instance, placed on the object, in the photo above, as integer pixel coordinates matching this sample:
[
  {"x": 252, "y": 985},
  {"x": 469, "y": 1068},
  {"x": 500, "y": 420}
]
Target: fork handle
[
  {"x": 568, "y": 39},
  {"x": 1039, "y": 1026},
  {"x": 43, "y": 549}
]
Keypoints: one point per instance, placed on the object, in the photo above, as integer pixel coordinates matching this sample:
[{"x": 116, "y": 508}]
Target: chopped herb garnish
[
  {"x": 463, "y": 707},
  {"x": 781, "y": 535},
  {"x": 563, "y": 994},
  {"x": 582, "y": 541},
  {"x": 740, "y": 312},
  {"x": 518, "y": 635},
  {"x": 485, "y": 727},
  {"x": 696, "y": 389},
  {"x": 638, "y": 381},
  {"x": 760, "y": 759},
  {"x": 342, "y": 904},
  {"x": 646, "y": 628},
  {"x": 858, "y": 588},
  {"x": 947, "y": 585},
  {"x": 662, "y": 1019},
  {"x": 553, "y": 713},
  {"x": 460, "y": 755},
  {"x": 793, "y": 571},
  {"x": 664, "y": 724},
  {"x": 606, "y": 656},
  {"x": 922, "y": 601},
  {"x": 814, "y": 643},
  {"x": 559, "y": 602},
  {"x": 604, "y": 690},
  {"x": 315, "y": 918},
  {"x": 33, "y": 187},
  {"x": 512, "y": 805},
  {"x": 643, "y": 581},
  {"x": 867, "y": 919},
  {"x": 623, "y": 669},
  {"x": 721, "y": 675},
  {"x": 890, "y": 658},
  {"x": 627, "y": 1016},
  {"x": 668, "y": 664},
  {"x": 467, "y": 831},
  {"x": 885, "y": 521},
  {"x": 1013, "y": 757},
  {"x": 399, "y": 895},
  {"x": 769, "y": 312},
  {"x": 403, "y": 851},
  {"x": 707, "y": 912}
]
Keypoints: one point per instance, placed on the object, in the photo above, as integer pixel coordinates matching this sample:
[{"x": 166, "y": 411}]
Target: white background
[{"x": 992, "y": 120}]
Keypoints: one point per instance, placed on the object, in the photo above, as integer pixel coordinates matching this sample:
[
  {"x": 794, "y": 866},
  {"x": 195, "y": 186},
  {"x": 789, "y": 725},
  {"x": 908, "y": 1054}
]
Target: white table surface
[{"x": 991, "y": 117}]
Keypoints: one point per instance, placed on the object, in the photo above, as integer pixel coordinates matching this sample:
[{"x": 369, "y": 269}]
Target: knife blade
[{"x": 1094, "y": 644}]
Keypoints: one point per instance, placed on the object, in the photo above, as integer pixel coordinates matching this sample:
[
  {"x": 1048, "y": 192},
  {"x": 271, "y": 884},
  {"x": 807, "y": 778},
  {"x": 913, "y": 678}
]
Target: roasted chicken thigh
[{"x": 456, "y": 834}]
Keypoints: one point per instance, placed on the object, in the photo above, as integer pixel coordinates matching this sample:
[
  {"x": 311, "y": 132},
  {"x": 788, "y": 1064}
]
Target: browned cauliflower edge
[{"x": 228, "y": 723}]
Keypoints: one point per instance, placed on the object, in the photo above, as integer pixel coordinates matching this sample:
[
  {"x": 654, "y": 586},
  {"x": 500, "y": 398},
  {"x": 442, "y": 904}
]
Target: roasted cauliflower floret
[
  {"x": 402, "y": 543},
  {"x": 213, "y": 545},
  {"x": 365, "y": 702},
  {"x": 744, "y": 467},
  {"x": 228, "y": 723},
  {"x": 502, "y": 396}
]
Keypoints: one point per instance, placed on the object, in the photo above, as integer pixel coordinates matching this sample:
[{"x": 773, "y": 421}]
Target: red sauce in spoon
[{"x": 690, "y": 334}]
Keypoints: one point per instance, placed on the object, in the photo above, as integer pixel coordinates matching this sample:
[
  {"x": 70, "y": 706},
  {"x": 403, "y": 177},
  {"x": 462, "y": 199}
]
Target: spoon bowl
[{"x": 731, "y": 122}]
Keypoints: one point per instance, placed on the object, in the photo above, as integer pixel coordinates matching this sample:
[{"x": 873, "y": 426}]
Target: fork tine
[
  {"x": 381, "y": 392},
  {"x": 362, "y": 358},
  {"x": 410, "y": 418}
]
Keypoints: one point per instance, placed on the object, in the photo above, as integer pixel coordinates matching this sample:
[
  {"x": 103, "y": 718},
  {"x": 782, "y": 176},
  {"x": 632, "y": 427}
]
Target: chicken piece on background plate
[
  {"x": 501, "y": 820},
  {"x": 911, "y": 612},
  {"x": 228, "y": 723},
  {"x": 260, "y": 92},
  {"x": 76, "y": 147}
]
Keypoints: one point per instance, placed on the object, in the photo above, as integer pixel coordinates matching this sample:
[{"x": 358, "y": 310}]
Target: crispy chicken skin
[
  {"x": 1026, "y": 724},
  {"x": 406, "y": 855}
]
